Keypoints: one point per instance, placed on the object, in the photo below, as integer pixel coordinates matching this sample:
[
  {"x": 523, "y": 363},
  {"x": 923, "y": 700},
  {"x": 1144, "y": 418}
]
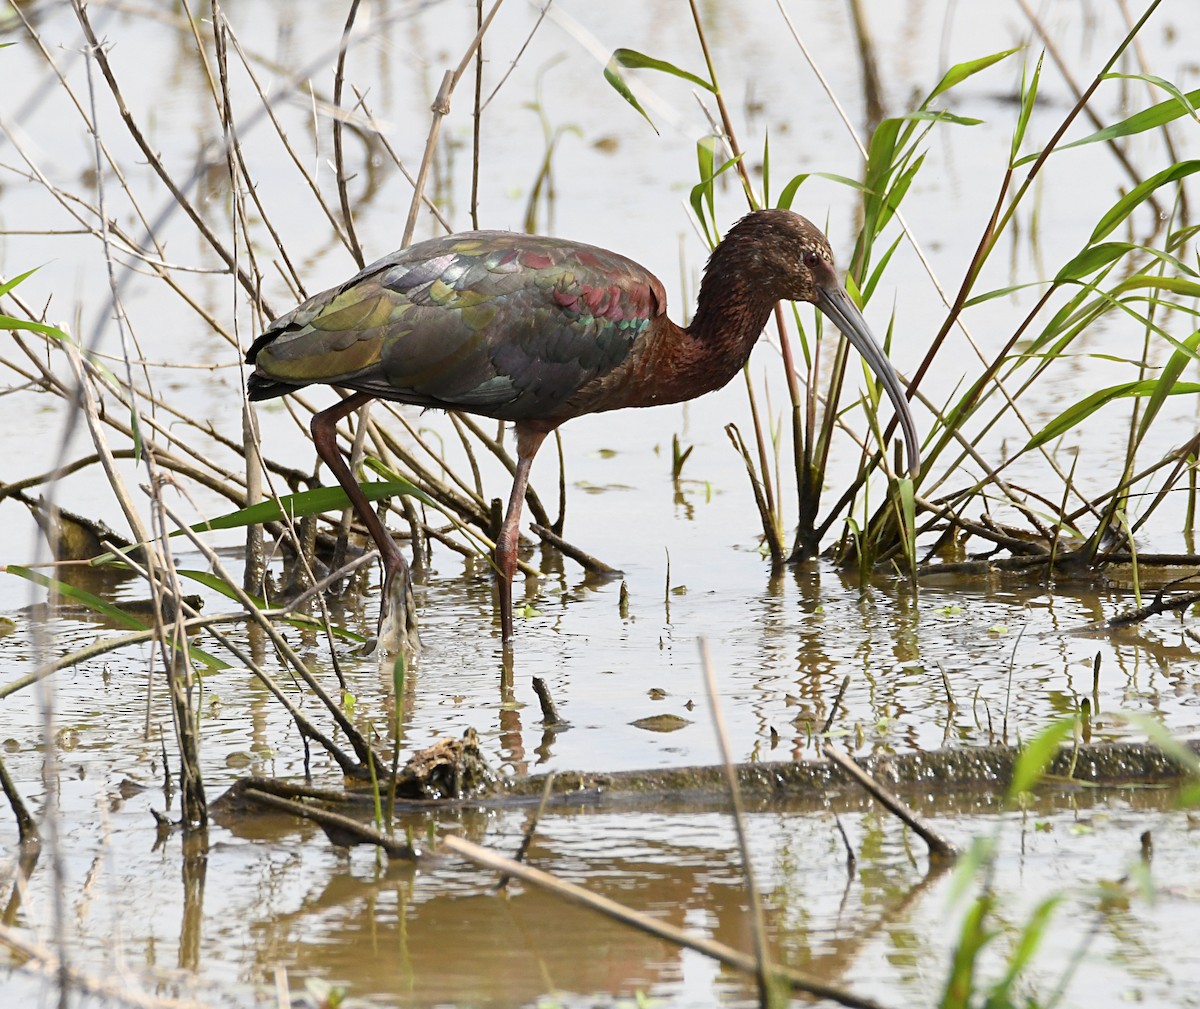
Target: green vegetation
[
  {"x": 1002, "y": 488},
  {"x": 1146, "y": 281}
]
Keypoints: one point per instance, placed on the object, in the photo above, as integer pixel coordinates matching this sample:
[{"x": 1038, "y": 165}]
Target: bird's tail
[{"x": 261, "y": 387}]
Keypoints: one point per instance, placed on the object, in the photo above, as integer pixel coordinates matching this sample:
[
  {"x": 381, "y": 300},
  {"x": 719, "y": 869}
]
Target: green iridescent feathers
[{"x": 501, "y": 324}]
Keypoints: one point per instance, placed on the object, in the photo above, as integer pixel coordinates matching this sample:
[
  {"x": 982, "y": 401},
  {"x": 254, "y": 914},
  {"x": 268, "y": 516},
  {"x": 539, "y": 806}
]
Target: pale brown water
[{"x": 1014, "y": 654}]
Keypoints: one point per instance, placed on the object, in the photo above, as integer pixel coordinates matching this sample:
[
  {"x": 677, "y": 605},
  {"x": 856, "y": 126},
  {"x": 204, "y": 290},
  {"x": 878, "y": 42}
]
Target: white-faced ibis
[{"x": 538, "y": 330}]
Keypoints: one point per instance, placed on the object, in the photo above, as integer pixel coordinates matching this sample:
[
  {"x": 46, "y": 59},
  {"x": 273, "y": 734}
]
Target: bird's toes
[{"x": 398, "y": 620}]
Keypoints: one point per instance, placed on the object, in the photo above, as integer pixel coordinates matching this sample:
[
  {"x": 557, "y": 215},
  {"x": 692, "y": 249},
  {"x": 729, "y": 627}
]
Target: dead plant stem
[
  {"x": 338, "y": 155},
  {"x": 355, "y": 738},
  {"x": 764, "y": 971},
  {"x": 441, "y": 109},
  {"x": 940, "y": 849},
  {"x": 582, "y": 897}
]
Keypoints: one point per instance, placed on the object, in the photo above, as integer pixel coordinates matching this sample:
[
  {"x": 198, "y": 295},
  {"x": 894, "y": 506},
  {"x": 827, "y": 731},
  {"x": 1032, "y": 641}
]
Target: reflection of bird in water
[{"x": 536, "y": 331}]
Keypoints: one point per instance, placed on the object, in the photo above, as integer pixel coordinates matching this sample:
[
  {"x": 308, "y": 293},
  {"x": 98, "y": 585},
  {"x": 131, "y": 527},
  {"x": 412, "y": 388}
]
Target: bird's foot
[{"x": 397, "y": 630}]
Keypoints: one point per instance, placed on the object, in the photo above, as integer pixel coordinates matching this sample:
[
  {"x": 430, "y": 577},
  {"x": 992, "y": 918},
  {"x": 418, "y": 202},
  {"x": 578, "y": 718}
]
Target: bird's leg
[
  {"x": 528, "y": 442},
  {"x": 397, "y": 587}
]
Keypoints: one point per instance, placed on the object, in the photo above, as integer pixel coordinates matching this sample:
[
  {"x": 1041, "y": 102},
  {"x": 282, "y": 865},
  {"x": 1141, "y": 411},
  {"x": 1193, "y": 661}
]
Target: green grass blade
[
  {"x": 1028, "y": 100},
  {"x": 104, "y": 608},
  {"x": 702, "y": 196},
  {"x": 1092, "y": 259},
  {"x": 972, "y": 863},
  {"x": 613, "y": 75},
  {"x": 8, "y": 285},
  {"x": 1175, "y": 285},
  {"x": 631, "y": 59},
  {"x": 877, "y": 274},
  {"x": 294, "y": 506},
  {"x": 897, "y": 193},
  {"x": 1036, "y": 756},
  {"x": 1079, "y": 412},
  {"x": 766, "y": 168},
  {"x": 1139, "y": 194},
  {"x": 973, "y": 936},
  {"x": 937, "y": 116},
  {"x": 211, "y": 581},
  {"x": 880, "y": 156},
  {"x": 788, "y": 194},
  {"x": 1001, "y": 292},
  {"x": 309, "y": 502},
  {"x": 1167, "y": 383},
  {"x": 961, "y": 71},
  {"x": 1148, "y": 119},
  {"x": 8, "y": 322},
  {"x": 1031, "y": 938},
  {"x": 1187, "y": 102},
  {"x": 81, "y": 596},
  {"x": 881, "y": 163}
]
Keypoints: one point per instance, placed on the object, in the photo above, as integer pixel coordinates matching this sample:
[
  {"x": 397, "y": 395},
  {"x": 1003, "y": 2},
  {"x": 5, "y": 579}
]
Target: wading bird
[{"x": 536, "y": 331}]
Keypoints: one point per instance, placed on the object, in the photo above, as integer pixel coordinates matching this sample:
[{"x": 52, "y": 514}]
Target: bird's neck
[
  {"x": 681, "y": 363},
  {"x": 730, "y": 309},
  {"x": 730, "y": 315}
]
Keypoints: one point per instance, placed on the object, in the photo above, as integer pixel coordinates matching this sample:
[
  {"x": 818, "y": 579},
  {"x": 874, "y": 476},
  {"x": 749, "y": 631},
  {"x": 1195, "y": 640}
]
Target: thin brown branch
[
  {"x": 764, "y": 971},
  {"x": 441, "y": 109},
  {"x": 226, "y": 255},
  {"x": 338, "y": 158},
  {"x": 940, "y": 849},
  {"x": 582, "y": 897},
  {"x": 343, "y": 831}
]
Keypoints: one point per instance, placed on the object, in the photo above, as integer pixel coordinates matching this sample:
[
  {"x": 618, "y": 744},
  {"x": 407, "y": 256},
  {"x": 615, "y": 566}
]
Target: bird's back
[{"x": 495, "y": 323}]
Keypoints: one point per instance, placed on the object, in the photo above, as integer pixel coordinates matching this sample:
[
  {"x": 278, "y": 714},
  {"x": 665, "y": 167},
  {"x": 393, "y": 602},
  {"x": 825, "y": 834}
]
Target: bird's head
[
  {"x": 786, "y": 254},
  {"x": 789, "y": 258}
]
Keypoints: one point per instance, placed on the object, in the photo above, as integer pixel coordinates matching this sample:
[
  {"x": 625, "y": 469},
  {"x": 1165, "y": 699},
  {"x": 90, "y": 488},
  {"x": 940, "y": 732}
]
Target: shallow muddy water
[
  {"x": 958, "y": 662},
  {"x": 271, "y": 895}
]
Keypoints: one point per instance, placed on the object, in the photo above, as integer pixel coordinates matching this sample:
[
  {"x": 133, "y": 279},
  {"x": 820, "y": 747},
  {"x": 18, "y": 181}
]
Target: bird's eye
[{"x": 812, "y": 258}]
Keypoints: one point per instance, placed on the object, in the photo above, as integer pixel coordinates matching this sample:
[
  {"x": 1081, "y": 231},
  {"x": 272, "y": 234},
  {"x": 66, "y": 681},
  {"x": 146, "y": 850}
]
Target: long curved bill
[{"x": 833, "y": 300}]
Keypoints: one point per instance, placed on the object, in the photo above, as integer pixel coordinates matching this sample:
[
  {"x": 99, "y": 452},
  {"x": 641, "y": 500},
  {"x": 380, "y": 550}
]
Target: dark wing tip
[{"x": 260, "y": 342}]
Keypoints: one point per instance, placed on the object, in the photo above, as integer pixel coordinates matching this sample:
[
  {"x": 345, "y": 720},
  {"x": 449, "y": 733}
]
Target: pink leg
[
  {"x": 324, "y": 432},
  {"x": 528, "y": 442}
]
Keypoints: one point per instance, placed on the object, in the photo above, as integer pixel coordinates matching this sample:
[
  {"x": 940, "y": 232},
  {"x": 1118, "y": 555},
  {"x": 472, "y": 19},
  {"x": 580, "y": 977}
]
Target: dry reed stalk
[{"x": 578, "y": 895}]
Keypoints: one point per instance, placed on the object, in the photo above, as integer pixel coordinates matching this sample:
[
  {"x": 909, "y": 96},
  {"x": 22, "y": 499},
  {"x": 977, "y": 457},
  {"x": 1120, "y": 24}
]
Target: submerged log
[{"x": 969, "y": 772}]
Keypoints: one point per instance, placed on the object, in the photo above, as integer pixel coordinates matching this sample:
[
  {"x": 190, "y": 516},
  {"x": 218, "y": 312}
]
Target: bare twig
[
  {"x": 338, "y": 159},
  {"x": 27, "y": 830},
  {"x": 102, "y": 646},
  {"x": 581, "y": 557},
  {"x": 441, "y": 109},
  {"x": 550, "y": 716},
  {"x": 530, "y": 828},
  {"x": 582, "y": 897},
  {"x": 361, "y": 748},
  {"x": 764, "y": 971},
  {"x": 1160, "y": 604},
  {"x": 344, "y": 831},
  {"x": 837, "y": 703},
  {"x": 939, "y": 848}
]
